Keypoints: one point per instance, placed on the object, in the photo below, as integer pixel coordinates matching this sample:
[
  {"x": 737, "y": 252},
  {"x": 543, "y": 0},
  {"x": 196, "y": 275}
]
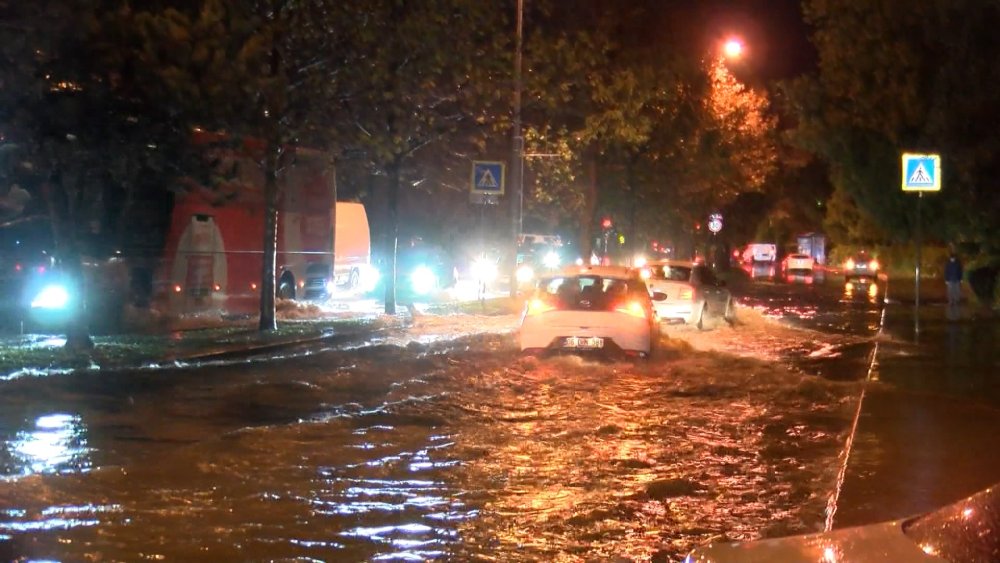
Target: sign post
[{"x": 921, "y": 173}]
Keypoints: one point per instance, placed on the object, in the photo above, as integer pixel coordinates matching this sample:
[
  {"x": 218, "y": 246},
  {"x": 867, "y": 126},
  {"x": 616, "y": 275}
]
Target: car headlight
[
  {"x": 51, "y": 297},
  {"x": 423, "y": 280},
  {"x": 484, "y": 270},
  {"x": 551, "y": 260},
  {"x": 525, "y": 274},
  {"x": 639, "y": 261}
]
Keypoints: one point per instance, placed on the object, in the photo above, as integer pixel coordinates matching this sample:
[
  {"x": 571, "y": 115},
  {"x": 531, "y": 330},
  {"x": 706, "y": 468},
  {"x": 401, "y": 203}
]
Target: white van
[
  {"x": 760, "y": 252},
  {"x": 352, "y": 270}
]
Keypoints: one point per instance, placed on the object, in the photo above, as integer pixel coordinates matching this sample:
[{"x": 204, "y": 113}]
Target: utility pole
[{"x": 517, "y": 147}]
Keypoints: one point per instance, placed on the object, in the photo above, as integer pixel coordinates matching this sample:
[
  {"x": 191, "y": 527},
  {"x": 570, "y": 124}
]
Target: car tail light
[
  {"x": 177, "y": 289},
  {"x": 849, "y": 264},
  {"x": 17, "y": 267},
  {"x": 632, "y": 308},
  {"x": 687, "y": 294},
  {"x": 873, "y": 264},
  {"x": 538, "y": 306}
]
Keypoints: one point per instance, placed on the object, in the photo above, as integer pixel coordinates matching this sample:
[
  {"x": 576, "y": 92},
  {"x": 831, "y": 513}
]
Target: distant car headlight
[
  {"x": 525, "y": 274},
  {"x": 639, "y": 261},
  {"x": 484, "y": 270},
  {"x": 51, "y": 297},
  {"x": 423, "y": 280},
  {"x": 551, "y": 260}
]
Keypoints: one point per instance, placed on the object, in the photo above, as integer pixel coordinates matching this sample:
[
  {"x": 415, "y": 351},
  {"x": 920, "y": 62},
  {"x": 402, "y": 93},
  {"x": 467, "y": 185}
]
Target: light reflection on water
[
  {"x": 56, "y": 444},
  {"x": 507, "y": 460}
]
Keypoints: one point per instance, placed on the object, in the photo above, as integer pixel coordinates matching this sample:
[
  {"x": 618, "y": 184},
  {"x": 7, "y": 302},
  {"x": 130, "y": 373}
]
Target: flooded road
[{"x": 456, "y": 451}]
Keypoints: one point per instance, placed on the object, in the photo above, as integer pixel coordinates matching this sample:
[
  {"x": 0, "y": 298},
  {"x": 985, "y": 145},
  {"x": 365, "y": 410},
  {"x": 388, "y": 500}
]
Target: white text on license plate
[{"x": 584, "y": 342}]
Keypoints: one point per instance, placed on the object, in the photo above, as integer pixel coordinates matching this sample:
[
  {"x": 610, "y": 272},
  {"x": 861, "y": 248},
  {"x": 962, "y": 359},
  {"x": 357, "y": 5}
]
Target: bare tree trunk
[
  {"x": 332, "y": 245},
  {"x": 589, "y": 206},
  {"x": 68, "y": 253},
  {"x": 270, "y": 246},
  {"x": 391, "y": 236}
]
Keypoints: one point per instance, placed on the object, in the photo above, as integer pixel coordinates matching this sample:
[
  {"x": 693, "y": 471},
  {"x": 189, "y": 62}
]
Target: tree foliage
[
  {"x": 897, "y": 76},
  {"x": 85, "y": 131},
  {"x": 421, "y": 75}
]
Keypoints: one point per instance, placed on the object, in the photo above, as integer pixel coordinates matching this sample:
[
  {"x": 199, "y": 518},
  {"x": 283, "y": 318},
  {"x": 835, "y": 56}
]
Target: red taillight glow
[
  {"x": 177, "y": 289},
  {"x": 632, "y": 308},
  {"x": 537, "y": 307},
  {"x": 687, "y": 294},
  {"x": 17, "y": 267},
  {"x": 41, "y": 269}
]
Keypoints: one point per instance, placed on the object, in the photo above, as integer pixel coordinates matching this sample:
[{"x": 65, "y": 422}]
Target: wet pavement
[
  {"x": 928, "y": 429},
  {"x": 459, "y": 450}
]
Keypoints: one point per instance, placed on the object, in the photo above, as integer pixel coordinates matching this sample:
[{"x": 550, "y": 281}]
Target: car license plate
[{"x": 584, "y": 342}]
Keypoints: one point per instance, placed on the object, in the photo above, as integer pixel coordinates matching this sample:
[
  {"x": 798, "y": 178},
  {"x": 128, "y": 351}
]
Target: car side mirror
[{"x": 659, "y": 296}]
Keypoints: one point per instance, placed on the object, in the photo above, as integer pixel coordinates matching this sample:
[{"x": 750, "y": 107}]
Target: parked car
[
  {"x": 967, "y": 531},
  {"x": 590, "y": 308},
  {"x": 692, "y": 292}
]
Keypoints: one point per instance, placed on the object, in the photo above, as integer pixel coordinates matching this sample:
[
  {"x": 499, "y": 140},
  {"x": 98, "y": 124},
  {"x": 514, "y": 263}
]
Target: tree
[
  {"x": 420, "y": 73},
  {"x": 83, "y": 129},
  {"x": 897, "y": 76},
  {"x": 265, "y": 75}
]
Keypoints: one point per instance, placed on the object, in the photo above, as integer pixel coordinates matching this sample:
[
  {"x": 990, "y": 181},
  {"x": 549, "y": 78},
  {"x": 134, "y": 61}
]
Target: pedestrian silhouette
[{"x": 953, "y": 281}]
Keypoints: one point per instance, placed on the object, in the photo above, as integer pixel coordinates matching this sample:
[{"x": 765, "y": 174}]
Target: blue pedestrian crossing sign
[
  {"x": 488, "y": 177},
  {"x": 921, "y": 172}
]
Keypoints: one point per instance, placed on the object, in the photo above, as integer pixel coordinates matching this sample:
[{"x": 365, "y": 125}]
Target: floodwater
[{"x": 452, "y": 451}]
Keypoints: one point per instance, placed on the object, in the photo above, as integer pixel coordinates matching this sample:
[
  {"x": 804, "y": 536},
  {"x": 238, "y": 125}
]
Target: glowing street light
[{"x": 733, "y": 48}]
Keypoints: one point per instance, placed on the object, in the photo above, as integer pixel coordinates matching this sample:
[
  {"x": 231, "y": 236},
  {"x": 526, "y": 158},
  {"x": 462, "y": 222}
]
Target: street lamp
[
  {"x": 733, "y": 48},
  {"x": 517, "y": 147}
]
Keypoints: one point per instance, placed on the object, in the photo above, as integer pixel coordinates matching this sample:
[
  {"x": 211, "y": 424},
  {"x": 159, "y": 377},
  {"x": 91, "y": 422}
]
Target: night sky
[{"x": 776, "y": 38}]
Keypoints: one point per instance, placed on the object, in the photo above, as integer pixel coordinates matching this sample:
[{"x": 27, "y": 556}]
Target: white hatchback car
[
  {"x": 798, "y": 263},
  {"x": 691, "y": 292},
  {"x": 590, "y": 308}
]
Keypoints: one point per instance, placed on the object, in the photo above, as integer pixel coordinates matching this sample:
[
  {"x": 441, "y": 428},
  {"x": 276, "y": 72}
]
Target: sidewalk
[
  {"x": 44, "y": 353},
  {"x": 929, "y": 415}
]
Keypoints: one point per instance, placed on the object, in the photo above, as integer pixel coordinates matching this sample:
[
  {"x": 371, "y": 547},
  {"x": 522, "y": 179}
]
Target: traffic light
[{"x": 606, "y": 223}]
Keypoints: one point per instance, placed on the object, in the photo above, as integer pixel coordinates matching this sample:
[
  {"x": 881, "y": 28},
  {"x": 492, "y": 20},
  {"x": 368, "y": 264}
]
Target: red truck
[{"x": 213, "y": 251}]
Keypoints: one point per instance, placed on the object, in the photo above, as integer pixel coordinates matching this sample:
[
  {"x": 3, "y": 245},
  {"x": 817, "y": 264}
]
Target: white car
[
  {"x": 590, "y": 308},
  {"x": 967, "y": 531},
  {"x": 798, "y": 263},
  {"x": 760, "y": 252},
  {"x": 691, "y": 291}
]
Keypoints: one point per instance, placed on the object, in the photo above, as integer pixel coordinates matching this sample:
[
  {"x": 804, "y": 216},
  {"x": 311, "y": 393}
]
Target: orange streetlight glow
[{"x": 733, "y": 48}]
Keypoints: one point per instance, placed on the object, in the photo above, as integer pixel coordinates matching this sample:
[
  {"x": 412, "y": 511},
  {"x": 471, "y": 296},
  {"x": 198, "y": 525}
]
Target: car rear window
[
  {"x": 590, "y": 291},
  {"x": 967, "y": 531},
  {"x": 671, "y": 273}
]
